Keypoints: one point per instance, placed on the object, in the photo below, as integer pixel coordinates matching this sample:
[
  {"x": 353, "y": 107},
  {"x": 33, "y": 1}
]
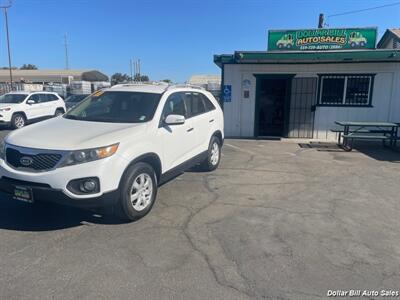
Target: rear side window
[
  {"x": 52, "y": 97},
  {"x": 44, "y": 98},
  {"x": 194, "y": 104},
  {"x": 207, "y": 103}
]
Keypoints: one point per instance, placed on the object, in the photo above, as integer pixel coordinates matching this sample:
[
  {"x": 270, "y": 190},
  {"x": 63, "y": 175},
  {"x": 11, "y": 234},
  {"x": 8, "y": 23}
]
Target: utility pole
[
  {"x": 5, "y": 8},
  {"x": 140, "y": 79},
  {"x": 130, "y": 66},
  {"x": 321, "y": 20},
  {"x": 66, "y": 52}
]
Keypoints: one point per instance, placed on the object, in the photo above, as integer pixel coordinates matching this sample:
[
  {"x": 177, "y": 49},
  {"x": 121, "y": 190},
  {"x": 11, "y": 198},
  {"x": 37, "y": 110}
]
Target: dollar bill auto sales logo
[{"x": 324, "y": 36}]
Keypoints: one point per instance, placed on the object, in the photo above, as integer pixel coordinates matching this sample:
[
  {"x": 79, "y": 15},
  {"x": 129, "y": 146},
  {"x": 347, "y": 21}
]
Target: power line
[
  {"x": 6, "y": 7},
  {"x": 365, "y": 9}
]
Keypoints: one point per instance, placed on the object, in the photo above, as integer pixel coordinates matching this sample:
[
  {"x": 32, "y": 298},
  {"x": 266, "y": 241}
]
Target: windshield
[
  {"x": 116, "y": 107},
  {"x": 75, "y": 98},
  {"x": 12, "y": 98}
]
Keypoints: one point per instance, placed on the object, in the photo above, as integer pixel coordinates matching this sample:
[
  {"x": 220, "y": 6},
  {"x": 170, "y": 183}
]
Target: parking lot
[{"x": 277, "y": 220}]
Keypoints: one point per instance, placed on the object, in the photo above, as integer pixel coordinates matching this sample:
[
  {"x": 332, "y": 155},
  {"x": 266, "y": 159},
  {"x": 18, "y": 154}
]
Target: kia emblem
[{"x": 26, "y": 161}]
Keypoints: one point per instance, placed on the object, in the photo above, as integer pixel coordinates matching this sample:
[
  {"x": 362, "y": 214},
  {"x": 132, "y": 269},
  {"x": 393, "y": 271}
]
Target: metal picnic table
[{"x": 384, "y": 131}]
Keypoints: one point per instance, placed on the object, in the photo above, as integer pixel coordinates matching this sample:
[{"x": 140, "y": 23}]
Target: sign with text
[{"x": 322, "y": 39}]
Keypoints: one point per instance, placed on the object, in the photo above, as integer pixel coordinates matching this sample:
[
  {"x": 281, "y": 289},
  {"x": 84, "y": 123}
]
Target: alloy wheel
[
  {"x": 214, "y": 154},
  {"x": 141, "y": 192},
  {"x": 19, "y": 121}
]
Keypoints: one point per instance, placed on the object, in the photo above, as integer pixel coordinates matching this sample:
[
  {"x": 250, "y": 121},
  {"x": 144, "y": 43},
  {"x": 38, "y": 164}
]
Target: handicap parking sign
[{"x": 227, "y": 93}]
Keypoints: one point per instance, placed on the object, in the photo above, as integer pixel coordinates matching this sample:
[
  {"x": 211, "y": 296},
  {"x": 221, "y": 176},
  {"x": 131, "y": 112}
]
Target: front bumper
[
  {"x": 5, "y": 117},
  {"x": 108, "y": 171},
  {"x": 43, "y": 192}
]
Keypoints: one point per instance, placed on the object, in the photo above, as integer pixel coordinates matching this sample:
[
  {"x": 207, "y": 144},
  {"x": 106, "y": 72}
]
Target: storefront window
[{"x": 346, "y": 90}]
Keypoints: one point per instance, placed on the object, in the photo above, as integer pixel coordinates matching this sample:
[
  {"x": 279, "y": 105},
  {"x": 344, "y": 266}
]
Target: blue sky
[{"x": 173, "y": 39}]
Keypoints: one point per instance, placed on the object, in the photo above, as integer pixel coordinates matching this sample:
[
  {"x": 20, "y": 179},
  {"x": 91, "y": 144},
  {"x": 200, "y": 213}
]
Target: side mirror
[
  {"x": 174, "y": 120},
  {"x": 30, "y": 102}
]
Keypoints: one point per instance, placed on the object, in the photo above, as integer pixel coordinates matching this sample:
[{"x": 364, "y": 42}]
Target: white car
[
  {"x": 114, "y": 148},
  {"x": 19, "y": 108}
]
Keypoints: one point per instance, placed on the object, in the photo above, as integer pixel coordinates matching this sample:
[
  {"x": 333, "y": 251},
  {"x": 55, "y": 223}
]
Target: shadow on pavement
[
  {"x": 15, "y": 215},
  {"x": 374, "y": 150}
]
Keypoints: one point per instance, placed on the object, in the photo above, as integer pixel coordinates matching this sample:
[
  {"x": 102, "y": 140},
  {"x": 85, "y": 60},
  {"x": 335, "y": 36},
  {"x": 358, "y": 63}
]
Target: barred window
[{"x": 346, "y": 90}]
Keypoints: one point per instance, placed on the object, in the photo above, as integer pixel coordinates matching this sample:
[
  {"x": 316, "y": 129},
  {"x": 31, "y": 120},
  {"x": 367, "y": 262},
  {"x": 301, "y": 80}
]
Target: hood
[{"x": 64, "y": 134}]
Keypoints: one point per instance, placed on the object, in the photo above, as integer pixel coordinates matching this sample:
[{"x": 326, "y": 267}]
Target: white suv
[
  {"x": 19, "y": 108},
  {"x": 114, "y": 148}
]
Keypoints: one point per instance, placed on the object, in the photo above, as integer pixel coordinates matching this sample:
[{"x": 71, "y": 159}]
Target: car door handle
[
  {"x": 190, "y": 129},
  {"x": 212, "y": 120}
]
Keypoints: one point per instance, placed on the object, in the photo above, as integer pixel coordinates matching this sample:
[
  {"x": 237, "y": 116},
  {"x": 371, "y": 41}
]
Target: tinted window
[
  {"x": 116, "y": 107},
  {"x": 12, "y": 98},
  {"x": 207, "y": 103},
  {"x": 52, "y": 97},
  {"x": 174, "y": 105},
  {"x": 35, "y": 97},
  {"x": 43, "y": 98},
  {"x": 194, "y": 104}
]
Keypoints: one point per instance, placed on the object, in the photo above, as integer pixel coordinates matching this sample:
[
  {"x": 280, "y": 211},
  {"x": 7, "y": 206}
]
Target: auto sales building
[{"x": 306, "y": 81}]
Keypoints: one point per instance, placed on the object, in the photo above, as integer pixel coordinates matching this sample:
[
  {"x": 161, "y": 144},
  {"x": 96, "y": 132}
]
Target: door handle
[
  {"x": 190, "y": 129},
  {"x": 212, "y": 120}
]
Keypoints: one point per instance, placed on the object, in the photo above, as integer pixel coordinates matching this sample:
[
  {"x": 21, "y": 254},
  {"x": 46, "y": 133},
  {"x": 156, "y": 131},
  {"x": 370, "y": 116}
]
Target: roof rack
[
  {"x": 186, "y": 85},
  {"x": 138, "y": 83}
]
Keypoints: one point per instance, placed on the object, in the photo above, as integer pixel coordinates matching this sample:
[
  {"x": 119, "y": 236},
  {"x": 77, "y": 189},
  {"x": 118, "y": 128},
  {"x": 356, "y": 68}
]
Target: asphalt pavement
[{"x": 277, "y": 220}]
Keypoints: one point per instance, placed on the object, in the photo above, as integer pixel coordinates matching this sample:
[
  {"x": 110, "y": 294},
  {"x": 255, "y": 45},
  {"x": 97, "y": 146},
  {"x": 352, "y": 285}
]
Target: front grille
[{"x": 37, "y": 162}]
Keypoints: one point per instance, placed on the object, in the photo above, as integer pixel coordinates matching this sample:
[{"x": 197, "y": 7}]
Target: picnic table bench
[{"x": 384, "y": 131}]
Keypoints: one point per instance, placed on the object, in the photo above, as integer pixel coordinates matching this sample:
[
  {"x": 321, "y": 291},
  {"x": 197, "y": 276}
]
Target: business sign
[
  {"x": 322, "y": 39},
  {"x": 227, "y": 93}
]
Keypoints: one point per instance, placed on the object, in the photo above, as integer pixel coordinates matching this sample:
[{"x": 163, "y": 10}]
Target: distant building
[
  {"x": 52, "y": 76},
  {"x": 211, "y": 83},
  {"x": 390, "y": 39}
]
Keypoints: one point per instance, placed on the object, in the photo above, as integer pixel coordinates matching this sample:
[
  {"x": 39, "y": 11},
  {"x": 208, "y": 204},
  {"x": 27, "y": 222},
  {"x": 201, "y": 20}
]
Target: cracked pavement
[{"x": 275, "y": 221}]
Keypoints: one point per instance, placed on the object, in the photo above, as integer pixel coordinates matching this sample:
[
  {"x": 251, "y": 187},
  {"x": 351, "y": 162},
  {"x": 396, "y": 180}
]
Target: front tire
[
  {"x": 138, "y": 191},
  {"x": 214, "y": 155},
  {"x": 18, "y": 121}
]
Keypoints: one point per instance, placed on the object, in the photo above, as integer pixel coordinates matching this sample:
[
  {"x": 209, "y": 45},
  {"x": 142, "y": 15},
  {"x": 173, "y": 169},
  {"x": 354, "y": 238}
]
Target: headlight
[
  {"x": 5, "y": 109},
  {"x": 2, "y": 149},
  {"x": 87, "y": 155}
]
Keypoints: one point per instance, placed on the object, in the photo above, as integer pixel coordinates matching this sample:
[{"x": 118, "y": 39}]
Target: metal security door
[{"x": 302, "y": 106}]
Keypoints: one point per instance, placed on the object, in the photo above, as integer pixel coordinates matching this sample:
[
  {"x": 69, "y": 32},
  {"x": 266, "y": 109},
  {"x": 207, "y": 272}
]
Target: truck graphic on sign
[
  {"x": 356, "y": 39},
  {"x": 286, "y": 41}
]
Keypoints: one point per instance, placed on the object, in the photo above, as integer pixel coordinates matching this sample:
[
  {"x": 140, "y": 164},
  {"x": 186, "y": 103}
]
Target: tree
[
  {"x": 28, "y": 67},
  {"x": 167, "y": 80},
  {"x": 119, "y": 78},
  {"x": 6, "y": 68},
  {"x": 142, "y": 78}
]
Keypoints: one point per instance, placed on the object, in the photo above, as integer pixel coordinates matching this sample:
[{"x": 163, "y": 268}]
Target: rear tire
[
  {"x": 18, "y": 121},
  {"x": 138, "y": 191},
  {"x": 213, "y": 155}
]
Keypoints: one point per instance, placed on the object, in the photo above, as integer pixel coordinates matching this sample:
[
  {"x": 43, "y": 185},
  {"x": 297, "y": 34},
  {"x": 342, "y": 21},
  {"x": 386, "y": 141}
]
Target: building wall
[
  {"x": 390, "y": 44},
  {"x": 239, "y": 114}
]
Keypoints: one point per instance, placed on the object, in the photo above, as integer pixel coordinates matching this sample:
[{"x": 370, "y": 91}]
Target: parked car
[
  {"x": 114, "y": 148},
  {"x": 19, "y": 108},
  {"x": 73, "y": 100}
]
